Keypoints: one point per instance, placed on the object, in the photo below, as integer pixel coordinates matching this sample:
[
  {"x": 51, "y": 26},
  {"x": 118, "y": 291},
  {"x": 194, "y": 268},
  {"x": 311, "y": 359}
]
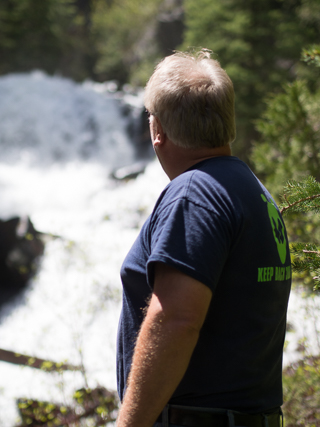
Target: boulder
[{"x": 21, "y": 246}]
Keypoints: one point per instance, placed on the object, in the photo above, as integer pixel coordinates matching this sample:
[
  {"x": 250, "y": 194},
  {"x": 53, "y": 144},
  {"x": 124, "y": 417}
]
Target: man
[{"x": 207, "y": 282}]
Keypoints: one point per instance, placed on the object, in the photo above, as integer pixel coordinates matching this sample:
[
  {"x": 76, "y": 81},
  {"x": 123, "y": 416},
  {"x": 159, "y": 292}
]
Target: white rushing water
[{"x": 59, "y": 141}]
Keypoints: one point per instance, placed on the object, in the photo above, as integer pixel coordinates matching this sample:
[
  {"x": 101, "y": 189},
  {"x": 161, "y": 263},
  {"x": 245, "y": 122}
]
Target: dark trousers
[{"x": 186, "y": 416}]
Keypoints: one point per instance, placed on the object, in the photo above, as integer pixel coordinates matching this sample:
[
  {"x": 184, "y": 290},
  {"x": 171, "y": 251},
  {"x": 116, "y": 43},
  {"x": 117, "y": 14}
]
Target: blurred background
[{"x": 78, "y": 178}]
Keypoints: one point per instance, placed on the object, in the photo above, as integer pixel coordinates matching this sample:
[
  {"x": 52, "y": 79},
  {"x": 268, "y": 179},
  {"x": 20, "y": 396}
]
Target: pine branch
[
  {"x": 306, "y": 258},
  {"x": 301, "y": 196},
  {"x": 300, "y": 201}
]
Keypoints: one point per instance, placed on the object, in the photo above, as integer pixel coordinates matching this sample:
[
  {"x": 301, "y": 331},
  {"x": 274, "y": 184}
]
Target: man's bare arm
[{"x": 166, "y": 341}]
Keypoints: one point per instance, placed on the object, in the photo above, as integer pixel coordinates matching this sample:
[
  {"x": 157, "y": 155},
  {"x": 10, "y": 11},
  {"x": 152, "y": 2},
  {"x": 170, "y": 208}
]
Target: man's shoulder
[
  {"x": 213, "y": 170},
  {"x": 220, "y": 183}
]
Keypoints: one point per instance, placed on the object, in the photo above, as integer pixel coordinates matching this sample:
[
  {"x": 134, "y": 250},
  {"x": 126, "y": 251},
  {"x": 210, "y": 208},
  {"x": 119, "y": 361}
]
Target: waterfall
[{"x": 59, "y": 143}]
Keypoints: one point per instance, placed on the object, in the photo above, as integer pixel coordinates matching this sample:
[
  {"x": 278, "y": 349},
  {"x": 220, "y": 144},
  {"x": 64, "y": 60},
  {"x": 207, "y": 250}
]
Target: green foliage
[
  {"x": 291, "y": 137},
  {"x": 95, "y": 406},
  {"x": 51, "y": 35},
  {"x": 301, "y": 388},
  {"x": 123, "y": 31},
  {"x": 258, "y": 43},
  {"x": 290, "y": 130},
  {"x": 290, "y": 152},
  {"x": 306, "y": 258},
  {"x": 99, "y": 39},
  {"x": 28, "y": 30},
  {"x": 304, "y": 197},
  {"x": 301, "y": 196},
  {"x": 312, "y": 56},
  {"x": 40, "y": 413}
]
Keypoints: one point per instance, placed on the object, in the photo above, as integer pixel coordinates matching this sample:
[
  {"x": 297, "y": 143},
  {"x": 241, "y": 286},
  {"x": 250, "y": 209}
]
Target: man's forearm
[
  {"x": 163, "y": 351},
  {"x": 165, "y": 344}
]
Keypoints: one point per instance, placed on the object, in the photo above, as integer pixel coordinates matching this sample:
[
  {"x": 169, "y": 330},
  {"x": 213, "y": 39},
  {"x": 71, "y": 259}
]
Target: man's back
[
  {"x": 217, "y": 223},
  {"x": 237, "y": 362}
]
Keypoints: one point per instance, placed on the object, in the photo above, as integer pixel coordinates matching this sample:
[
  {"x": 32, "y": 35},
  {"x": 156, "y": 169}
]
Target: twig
[
  {"x": 35, "y": 362},
  {"x": 297, "y": 202},
  {"x": 71, "y": 419}
]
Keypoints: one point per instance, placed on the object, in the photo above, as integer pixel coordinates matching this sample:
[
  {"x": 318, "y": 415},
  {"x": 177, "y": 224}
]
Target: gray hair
[{"x": 193, "y": 98}]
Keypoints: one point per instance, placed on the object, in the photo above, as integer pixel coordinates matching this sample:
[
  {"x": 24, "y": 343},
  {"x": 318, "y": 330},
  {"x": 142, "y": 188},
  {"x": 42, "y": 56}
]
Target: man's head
[{"x": 193, "y": 98}]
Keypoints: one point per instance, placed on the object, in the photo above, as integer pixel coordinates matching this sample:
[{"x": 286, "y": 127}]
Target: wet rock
[
  {"x": 129, "y": 172},
  {"x": 21, "y": 246}
]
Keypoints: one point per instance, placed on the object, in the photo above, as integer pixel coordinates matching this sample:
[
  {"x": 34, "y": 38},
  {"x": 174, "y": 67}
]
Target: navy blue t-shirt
[{"x": 218, "y": 224}]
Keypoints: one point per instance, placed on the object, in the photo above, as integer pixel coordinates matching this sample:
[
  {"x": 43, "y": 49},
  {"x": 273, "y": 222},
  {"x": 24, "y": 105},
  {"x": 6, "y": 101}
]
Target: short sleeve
[{"x": 191, "y": 238}]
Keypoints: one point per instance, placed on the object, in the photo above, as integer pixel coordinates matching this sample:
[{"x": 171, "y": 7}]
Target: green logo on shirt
[{"x": 277, "y": 229}]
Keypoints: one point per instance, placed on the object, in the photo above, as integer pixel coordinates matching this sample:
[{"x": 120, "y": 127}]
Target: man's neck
[{"x": 180, "y": 159}]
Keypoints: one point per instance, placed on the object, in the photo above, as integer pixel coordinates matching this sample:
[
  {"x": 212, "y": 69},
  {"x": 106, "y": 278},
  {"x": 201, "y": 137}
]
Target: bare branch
[{"x": 35, "y": 362}]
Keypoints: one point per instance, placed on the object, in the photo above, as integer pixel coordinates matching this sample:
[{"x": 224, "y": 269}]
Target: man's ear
[{"x": 159, "y": 135}]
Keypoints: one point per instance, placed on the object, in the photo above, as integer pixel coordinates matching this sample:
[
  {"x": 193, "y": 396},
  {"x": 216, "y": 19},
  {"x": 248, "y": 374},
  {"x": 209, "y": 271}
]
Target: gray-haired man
[{"x": 207, "y": 282}]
